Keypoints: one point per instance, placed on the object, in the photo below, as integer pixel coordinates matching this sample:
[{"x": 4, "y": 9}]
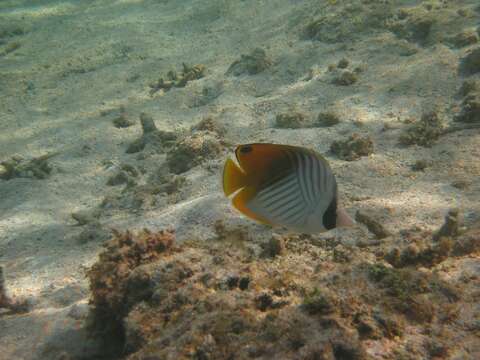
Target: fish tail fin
[
  {"x": 343, "y": 219},
  {"x": 233, "y": 177}
]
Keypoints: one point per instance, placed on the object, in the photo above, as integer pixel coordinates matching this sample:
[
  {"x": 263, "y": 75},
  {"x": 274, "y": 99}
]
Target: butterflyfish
[{"x": 284, "y": 186}]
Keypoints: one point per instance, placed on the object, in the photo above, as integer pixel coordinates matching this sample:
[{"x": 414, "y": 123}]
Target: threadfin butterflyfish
[{"x": 284, "y": 186}]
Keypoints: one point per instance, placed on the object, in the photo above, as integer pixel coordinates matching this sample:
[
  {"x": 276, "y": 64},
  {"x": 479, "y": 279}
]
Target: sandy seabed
[{"x": 69, "y": 70}]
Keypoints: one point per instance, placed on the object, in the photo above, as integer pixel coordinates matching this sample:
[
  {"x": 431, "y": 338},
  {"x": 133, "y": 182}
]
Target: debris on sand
[
  {"x": 84, "y": 217},
  {"x": 122, "y": 120},
  {"x": 469, "y": 86},
  {"x": 345, "y": 78},
  {"x": 327, "y": 119},
  {"x": 347, "y": 21},
  {"x": 157, "y": 139},
  {"x": 275, "y": 246},
  {"x": 470, "y": 64},
  {"x": 251, "y": 64},
  {"x": 421, "y": 247},
  {"x": 420, "y": 165},
  {"x": 374, "y": 226},
  {"x": 93, "y": 232},
  {"x": 6, "y": 302},
  {"x": 125, "y": 174},
  {"x": 174, "y": 79},
  {"x": 292, "y": 120},
  {"x": 414, "y": 24},
  {"x": 464, "y": 38},
  {"x": 352, "y": 148},
  {"x": 451, "y": 226},
  {"x": 470, "y": 108},
  {"x": 210, "y": 124},
  {"x": 424, "y": 132},
  {"x": 17, "y": 166}
]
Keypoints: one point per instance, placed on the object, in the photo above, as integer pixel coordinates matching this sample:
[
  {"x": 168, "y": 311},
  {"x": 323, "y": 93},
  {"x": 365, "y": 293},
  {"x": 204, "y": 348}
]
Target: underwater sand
[{"x": 79, "y": 62}]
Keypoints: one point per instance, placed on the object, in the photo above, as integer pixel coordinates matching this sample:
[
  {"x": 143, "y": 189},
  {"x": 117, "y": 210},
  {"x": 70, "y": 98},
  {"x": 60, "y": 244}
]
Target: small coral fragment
[
  {"x": 254, "y": 63},
  {"x": 346, "y": 78},
  {"x": 470, "y": 109},
  {"x": 157, "y": 139},
  {"x": 326, "y": 119},
  {"x": 291, "y": 120},
  {"x": 210, "y": 124},
  {"x": 6, "y": 302},
  {"x": 274, "y": 247},
  {"x": 36, "y": 168},
  {"x": 352, "y": 148},
  {"x": 189, "y": 73},
  {"x": 122, "y": 120},
  {"x": 320, "y": 302}
]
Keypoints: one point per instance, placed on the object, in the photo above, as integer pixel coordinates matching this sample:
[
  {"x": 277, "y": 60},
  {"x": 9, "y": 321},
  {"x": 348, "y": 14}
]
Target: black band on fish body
[{"x": 330, "y": 215}]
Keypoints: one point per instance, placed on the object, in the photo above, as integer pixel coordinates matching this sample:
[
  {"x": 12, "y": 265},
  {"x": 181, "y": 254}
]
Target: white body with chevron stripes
[
  {"x": 299, "y": 200},
  {"x": 284, "y": 186}
]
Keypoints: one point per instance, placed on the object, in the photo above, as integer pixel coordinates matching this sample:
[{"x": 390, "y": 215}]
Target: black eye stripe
[{"x": 246, "y": 149}]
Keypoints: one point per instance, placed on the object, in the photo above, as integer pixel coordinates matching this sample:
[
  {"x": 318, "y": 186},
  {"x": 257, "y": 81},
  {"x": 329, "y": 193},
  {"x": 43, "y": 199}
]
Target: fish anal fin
[
  {"x": 240, "y": 203},
  {"x": 233, "y": 177}
]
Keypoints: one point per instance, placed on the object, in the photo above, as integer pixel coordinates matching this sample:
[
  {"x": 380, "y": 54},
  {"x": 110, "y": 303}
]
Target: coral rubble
[
  {"x": 424, "y": 132},
  {"x": 174, "y": 79},
  {"x": 352, "y": 148},
  {"x": 157, "y": 139},
  {"x": 292, "y": 120},
  {"x": 217, "y": 301},
  {"x": 17, "y": 166},
  {"x": 251, "y": 64}
]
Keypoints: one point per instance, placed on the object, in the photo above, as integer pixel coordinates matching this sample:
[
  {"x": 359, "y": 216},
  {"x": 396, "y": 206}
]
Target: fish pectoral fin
[
  {"x": 343, "y": 219},
  {"x": 233, "y": 177},
  {"x": 240, "y": 200}
]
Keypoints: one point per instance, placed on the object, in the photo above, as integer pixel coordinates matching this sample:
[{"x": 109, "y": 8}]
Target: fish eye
[{"x": 246, "y": 149}]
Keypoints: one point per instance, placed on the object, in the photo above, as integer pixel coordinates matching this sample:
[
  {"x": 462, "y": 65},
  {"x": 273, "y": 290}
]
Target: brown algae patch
[
  {"x": 292, "y": 120},
  {"x": 424, "y": 132},
  {"x": 352, "y": 148}
]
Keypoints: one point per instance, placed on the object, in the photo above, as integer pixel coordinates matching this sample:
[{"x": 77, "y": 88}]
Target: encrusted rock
[{"x": 192, "y": 150}]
